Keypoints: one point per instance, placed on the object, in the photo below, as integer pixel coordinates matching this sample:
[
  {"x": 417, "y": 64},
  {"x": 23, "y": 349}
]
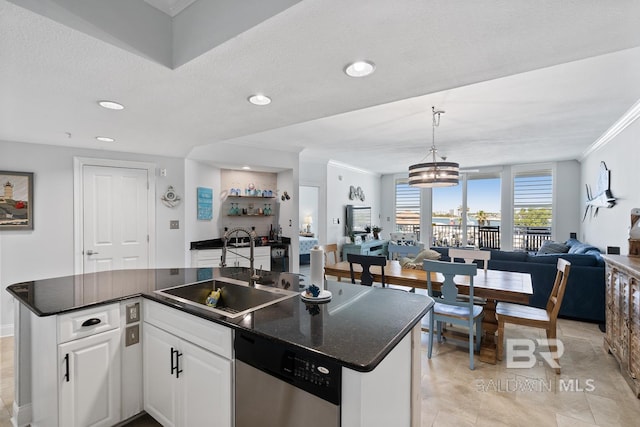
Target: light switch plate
[
  {"x": 133, "y": 335},
  {"x": 174, "y": 224}
]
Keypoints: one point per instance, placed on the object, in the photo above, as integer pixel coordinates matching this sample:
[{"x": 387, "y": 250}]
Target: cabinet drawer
[
  {"x": 206, "y": 334},
  {"x": 83, "y": 323}
]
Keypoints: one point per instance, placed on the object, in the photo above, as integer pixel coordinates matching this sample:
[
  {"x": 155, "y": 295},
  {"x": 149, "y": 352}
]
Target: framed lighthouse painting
[{"x": 16, "y": 200}]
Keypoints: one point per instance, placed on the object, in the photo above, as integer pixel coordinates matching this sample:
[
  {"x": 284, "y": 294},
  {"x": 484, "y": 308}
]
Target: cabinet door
[
  {"x": 616, "y": 314},
  {"x": 242, "y": 262},
  {"x": 89, "y": 371},
  {"x": 623, "y": 310},
  {"x": 206, "y": 258},
  {"x": 159, "y": 378},
  {"x": 205, "y": 388},
  {"x": 634, "y": 329},
  {"x": 610, "y": 279},
  {"x": 263, "y": 263}
]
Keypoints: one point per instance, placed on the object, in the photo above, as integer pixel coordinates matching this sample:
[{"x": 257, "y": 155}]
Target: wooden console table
[{"x": 622, "y": 312}]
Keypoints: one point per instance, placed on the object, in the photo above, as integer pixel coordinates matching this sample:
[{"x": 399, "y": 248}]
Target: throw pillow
[
  {"x": 582, "y": 248},
  {"x": 416, "y": 263},
  {"x": 551, "y": 247},
  {"x": 426, "y": 254}
]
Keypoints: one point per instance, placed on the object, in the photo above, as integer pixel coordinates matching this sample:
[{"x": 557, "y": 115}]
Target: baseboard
[
  {"x": 6, "y": 330},
  {"x": 21, "y": 415}
]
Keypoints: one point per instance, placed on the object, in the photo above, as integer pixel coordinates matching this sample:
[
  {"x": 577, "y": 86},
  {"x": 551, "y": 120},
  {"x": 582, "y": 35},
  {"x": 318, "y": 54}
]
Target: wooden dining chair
[
  {"x": 331, "y": 254},
  {"x": 471, "y": 255},
  {"x": 331, "y": 257},
  {"x": 366, "y": 261},
  {"x": 536, "y": 317},
  {"x": 448, "y": 308}
]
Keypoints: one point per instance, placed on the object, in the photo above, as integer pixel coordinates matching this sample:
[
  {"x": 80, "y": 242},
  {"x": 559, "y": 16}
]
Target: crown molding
[
  {"x": 621, "y": 124},
  {"x": 353, "y": 168}
]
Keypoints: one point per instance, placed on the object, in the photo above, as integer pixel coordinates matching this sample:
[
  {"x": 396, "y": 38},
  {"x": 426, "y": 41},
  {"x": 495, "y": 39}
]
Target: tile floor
[
  {"x": 589, "y": 392},
  {"x": 6, "y": 380}
]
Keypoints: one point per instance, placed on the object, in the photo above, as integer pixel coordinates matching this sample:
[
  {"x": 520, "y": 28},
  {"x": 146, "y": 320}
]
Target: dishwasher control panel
[
  {"x": 315, "y": 374},
  {"x": 311, "y": 371}
]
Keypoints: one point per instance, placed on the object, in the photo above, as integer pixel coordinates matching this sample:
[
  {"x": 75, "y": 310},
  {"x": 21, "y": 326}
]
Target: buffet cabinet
[
  {"x": 622, "y": 310},
  {"x": 370, "y": 247}
]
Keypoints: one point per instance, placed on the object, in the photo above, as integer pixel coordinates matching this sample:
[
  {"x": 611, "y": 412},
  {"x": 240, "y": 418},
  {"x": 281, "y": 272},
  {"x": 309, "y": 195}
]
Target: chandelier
[{"x": 434, "y": 173}]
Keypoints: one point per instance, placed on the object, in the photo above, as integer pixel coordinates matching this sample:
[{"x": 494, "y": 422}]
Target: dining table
[{"x": 490, "y": 285}]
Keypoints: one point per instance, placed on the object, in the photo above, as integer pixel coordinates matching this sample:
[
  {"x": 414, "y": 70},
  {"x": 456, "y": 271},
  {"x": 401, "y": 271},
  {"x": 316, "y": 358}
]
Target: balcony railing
[
  {"x": 530, "y": 238},
  {"x": 450, "y": 235}
]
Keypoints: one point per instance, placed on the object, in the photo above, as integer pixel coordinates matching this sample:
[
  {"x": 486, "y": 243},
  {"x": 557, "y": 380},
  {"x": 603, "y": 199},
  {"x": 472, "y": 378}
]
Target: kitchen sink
[{"x": 237, "y": 297}]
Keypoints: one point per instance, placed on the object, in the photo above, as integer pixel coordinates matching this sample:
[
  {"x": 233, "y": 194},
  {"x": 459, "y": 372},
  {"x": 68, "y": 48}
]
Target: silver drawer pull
[
  {"x": 90, "y": 252},
  {"x": 91, "y": 322}
]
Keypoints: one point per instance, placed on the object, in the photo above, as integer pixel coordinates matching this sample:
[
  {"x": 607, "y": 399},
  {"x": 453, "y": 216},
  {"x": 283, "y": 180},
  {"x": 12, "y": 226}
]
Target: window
[
  {"x": 407, "y": 208},
  {"x": 483, "y": 209},
  {"x": 447, "y": 216},
  {"x": 532, "y": 208},
  {"x": 483, "y": 204}
]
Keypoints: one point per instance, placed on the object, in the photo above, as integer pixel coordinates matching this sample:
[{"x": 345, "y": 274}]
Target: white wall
[
  {"x": 288, "y": 214},
  {"x": 567, "y": 199},
  {"x": 339, "y": 178},
  {"x": 309, "y": 197},
  {"x": 315, "y": 175},
  {"x": 200, "y": 175},
  {"x": 622, "y": 157},
  {"x": 47, "y": 250},
  {"x": 388, "y": 208}
]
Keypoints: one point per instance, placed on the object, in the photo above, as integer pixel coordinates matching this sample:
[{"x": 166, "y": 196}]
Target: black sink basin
[{"x": 237, "y": 298}]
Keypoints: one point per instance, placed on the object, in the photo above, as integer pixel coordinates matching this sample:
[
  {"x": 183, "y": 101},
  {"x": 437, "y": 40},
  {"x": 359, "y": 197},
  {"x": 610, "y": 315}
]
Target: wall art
[{"x": 16, "y": 200}]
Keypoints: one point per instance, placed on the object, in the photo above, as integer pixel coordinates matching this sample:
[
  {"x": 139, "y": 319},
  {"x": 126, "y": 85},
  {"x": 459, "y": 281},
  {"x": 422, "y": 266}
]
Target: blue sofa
[{"x": 584, "y": 298}]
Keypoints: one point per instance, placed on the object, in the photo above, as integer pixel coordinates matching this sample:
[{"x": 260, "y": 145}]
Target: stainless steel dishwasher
[{"x": 278, "y": 385}]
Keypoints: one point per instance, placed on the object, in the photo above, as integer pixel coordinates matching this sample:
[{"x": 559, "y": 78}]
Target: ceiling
[{"x": 520, "y": 81}]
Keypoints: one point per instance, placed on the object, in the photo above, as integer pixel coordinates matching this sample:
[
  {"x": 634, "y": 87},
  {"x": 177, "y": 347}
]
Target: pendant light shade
[{"x": 434, "y": 173}]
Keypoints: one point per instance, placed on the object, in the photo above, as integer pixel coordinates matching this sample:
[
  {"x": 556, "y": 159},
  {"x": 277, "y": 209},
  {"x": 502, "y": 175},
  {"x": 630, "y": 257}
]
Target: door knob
[{"x": 90, "y": 252}]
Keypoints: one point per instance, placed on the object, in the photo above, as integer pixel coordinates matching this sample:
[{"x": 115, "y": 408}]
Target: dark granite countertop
[
  {"x": 218, "y": 243},
  {"x": 357, "y": 328}
]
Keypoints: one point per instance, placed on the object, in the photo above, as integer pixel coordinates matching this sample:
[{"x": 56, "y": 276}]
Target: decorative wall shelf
[{"x": 251, "y": 197}]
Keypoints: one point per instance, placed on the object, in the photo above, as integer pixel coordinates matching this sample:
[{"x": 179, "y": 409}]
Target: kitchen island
[{"x": 368, "y": 332}]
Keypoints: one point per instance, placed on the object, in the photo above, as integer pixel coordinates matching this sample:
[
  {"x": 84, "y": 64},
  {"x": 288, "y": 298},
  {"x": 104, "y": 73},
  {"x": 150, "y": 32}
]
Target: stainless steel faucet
[{"x": 253, "y": 277}]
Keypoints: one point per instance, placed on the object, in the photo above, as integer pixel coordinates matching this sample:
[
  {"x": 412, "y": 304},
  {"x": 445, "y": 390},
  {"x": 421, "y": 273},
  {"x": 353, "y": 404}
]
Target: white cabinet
[
  {"x": 76, "y": 374},
  {"x": 236, "y": 257},
  {"x": 159, "y": 378},
  {"x": 89, "y": 390},
  {"x": 206, "y": 257},
  {"x": 185, "y": 382}
]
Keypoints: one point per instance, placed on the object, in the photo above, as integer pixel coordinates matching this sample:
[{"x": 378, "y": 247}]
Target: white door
[
  {"x": 89, "y": 372},
  {"x": 115, "y": 218}
]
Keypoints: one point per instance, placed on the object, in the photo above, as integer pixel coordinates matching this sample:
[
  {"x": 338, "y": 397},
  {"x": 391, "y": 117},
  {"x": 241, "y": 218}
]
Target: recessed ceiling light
[
  {"x": 359, "y": 69},
  {"x": 259, "y": 99},
  {"x": 105, "y": 139},
  {"x": 111, "y": 105},
  {"x": 247, "y": 168}
]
